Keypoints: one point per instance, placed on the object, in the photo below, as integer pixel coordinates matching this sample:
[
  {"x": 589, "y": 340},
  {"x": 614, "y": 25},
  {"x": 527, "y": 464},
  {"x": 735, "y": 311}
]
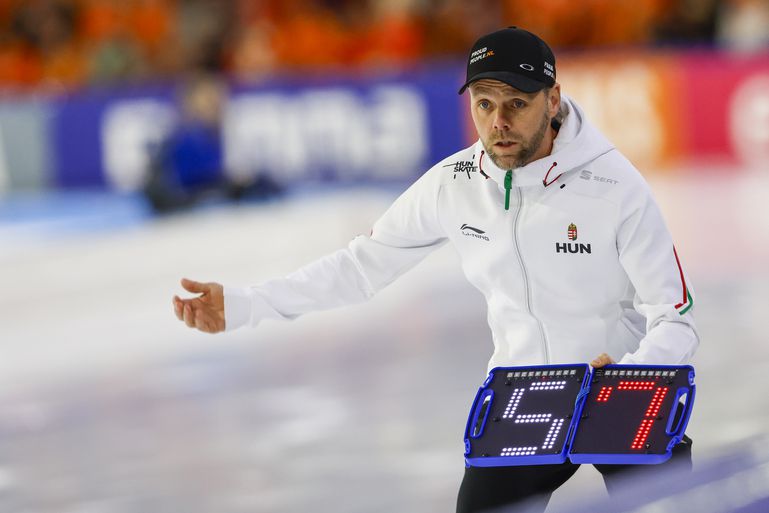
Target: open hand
[{"x": 204, "y": 312}]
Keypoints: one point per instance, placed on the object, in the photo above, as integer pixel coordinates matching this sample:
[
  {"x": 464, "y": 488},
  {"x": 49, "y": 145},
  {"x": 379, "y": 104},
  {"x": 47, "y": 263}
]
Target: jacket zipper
[
  {"x": 508, "y": 186},
  {"x": 523, "y": 266}
]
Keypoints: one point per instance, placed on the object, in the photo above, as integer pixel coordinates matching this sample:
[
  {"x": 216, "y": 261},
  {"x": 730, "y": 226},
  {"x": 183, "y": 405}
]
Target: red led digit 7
[{"x": 642, "y": 433}]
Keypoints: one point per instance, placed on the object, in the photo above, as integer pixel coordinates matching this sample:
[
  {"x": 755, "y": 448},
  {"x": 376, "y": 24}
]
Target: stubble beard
[{"x": 527, "y": 148}]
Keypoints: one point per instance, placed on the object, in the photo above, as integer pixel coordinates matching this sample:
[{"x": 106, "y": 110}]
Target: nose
[{"x": 502, "y": 120}]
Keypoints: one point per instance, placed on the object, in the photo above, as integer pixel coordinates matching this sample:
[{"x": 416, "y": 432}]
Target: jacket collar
[{"x": 576, "y": 144}]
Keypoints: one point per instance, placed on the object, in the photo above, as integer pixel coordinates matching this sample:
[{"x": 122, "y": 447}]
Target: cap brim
[{"x": 525, "y": 84}]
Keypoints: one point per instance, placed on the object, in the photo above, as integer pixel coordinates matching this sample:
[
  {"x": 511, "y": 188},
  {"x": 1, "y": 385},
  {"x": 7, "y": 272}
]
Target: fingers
[
  {"x": 194, "y": 315},
  {"x": 195, "y": 286},
  {"x": 189, "y": 316},
  {"x": 178, "y": 307},
  {"x": 184, "y": 311},
  {"x": 601, "y": 360}
]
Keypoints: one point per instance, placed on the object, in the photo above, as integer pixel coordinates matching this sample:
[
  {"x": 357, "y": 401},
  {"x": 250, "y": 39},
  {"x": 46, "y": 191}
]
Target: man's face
[{"x": 514, "y": 126}]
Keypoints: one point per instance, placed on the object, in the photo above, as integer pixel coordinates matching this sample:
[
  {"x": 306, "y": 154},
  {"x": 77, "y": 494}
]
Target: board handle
[
  {"x": 677, "y": 430},
  {"x": 470, "y": 416},
  {"x": 481, "y": 407}
]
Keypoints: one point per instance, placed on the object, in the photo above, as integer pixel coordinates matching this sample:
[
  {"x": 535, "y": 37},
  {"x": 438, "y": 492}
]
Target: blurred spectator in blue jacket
[{"x": 188, "y": 166}]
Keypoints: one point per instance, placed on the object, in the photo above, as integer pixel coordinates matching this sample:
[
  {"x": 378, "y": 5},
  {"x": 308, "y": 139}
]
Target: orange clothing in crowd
[
  {"x": 586, "y": 23},
  {"x": 117, "y": 39},
  {"x": 65, "y": 67},
  {"x": 310, "y": 38},
  {"x": 151, "y": 21},
  {"x": 101, "y": 19},
  {"x": 396, "y": 38},
  {"x": 19, "y": 64}
]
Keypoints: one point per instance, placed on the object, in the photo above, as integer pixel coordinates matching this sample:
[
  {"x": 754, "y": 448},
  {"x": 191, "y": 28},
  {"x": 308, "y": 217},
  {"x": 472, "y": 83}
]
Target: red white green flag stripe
[{"x": 687, "y": 300}]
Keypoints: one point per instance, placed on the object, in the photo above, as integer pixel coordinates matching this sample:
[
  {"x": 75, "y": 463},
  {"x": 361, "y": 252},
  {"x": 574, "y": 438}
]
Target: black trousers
[{"x": 490, "y": 488}]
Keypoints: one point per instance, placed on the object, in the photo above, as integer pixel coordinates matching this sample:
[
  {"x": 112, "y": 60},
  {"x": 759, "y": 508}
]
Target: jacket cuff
[
  {"x": 237, "y": 307},
  {"x": 246, "y": 306}
]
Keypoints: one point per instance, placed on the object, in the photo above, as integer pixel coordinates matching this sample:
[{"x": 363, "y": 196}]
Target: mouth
[{"x": 505, "y": 144}]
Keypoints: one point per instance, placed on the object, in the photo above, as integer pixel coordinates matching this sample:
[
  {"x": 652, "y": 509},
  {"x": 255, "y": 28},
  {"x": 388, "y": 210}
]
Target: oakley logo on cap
[{"x": 520, "y": 59}]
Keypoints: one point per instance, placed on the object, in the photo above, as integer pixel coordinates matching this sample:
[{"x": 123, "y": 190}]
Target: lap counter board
[{"x": 620, "y": 414}]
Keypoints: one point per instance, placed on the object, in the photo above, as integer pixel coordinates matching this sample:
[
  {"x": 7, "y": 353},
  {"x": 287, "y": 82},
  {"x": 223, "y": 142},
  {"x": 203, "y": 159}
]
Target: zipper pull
[{"x": 508, "y": 186}]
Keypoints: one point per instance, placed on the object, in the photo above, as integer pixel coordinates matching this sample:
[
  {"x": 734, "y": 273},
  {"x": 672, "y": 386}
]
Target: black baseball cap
[{"x": 514, "y": 56}]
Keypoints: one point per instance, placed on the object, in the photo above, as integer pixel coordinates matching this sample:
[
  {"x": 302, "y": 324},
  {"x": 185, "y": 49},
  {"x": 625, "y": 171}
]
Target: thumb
[{"x": 194, "y": 286}]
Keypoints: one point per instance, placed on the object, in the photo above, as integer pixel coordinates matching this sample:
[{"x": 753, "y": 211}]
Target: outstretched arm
[
  {"x": 400, "y": 239},
  {"x": 205, "y": 311}
]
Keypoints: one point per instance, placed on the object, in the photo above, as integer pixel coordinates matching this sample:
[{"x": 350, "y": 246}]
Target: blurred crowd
[{"x": 75, "y": 43}]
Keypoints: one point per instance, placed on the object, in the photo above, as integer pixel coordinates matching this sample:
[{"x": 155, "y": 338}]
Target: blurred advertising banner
[
  {"x": 695, "y": 111},
  {"x": 319, "y": 129},
  {"x": 633, "y": 99},
  {"x": 698, "y": 111}
]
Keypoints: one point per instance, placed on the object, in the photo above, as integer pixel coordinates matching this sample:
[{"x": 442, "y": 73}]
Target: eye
[
  {"x": 519, "y": 104},
  {"x": 484, "y": 104}
]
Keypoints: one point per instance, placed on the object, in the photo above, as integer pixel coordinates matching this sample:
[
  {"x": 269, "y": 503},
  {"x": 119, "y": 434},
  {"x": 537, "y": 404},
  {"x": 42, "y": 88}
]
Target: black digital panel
[
  {"x": 619, "y": 414},
  {"x": 630, "y": 414},
  {"x": 522, "y": 415}
]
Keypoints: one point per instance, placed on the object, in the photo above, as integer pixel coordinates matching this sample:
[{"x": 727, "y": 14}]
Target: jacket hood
[{"x": 578, "y": 143}]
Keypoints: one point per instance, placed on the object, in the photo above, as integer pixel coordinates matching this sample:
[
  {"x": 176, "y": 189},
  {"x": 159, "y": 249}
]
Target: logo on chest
[
  {"x": 463, "y": 167},
  {"x": 470, "y": 231},
  {"x": 572, "y": 247}
]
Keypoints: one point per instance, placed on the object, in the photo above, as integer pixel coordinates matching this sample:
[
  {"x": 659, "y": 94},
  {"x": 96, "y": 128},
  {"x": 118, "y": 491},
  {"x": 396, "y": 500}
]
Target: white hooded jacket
[{"x": 578, "y": 264}]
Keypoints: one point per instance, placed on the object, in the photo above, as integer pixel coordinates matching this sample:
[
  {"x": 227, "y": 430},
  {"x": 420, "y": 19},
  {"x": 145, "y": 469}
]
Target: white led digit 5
[{"x": 555, "y": 423}]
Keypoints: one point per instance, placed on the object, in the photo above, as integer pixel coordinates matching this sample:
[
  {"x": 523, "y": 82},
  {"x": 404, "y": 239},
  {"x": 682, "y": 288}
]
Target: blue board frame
[{"x": 485, "y": 435}]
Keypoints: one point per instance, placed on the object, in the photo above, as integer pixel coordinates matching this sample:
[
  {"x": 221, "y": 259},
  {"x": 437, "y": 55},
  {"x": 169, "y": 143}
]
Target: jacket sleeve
[
  {"x": 663, "y": 292},
  {"x": 400, "y": 239}
]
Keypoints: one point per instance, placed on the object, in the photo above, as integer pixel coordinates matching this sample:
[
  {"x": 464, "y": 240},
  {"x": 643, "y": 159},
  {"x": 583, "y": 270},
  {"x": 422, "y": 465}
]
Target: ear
[{"x": 554, "y": 100}]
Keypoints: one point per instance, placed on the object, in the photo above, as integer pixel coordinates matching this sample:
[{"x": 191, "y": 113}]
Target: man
[{"x": 554, "y": 226}]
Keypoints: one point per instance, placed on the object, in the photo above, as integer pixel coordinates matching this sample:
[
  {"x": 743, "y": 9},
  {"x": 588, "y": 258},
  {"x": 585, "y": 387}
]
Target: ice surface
[{"x": 109, "y": 404}]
